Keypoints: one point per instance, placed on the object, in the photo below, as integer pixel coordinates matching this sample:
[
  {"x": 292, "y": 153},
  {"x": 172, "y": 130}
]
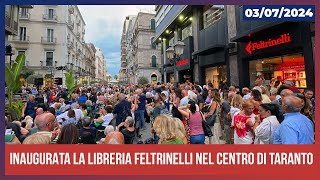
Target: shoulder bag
[{"x": 206, "y": 128}]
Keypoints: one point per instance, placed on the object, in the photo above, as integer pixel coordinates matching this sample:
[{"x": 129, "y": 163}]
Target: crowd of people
[{"x": 277, "y": 113}]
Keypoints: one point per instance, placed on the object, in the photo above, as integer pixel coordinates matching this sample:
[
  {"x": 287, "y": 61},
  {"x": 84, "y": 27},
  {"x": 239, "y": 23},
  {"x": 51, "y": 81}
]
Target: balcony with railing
[
  {"x": 48, "y": 40},
  {"x": 24, "y": 16},
  {"x": 21, "y": 39},
  {"x": 78, "y": 35},
  {"x": 70, "y": 45},
  {"x": 70, "y": 24},
  {"x": 49, "y": 18},
  {"x": 71, "y": 9}
]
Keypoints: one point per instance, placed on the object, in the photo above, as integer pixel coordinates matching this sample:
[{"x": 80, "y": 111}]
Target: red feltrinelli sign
[
  {"x": 253, "y": 46},
  {"x": 183, "y": 62}
]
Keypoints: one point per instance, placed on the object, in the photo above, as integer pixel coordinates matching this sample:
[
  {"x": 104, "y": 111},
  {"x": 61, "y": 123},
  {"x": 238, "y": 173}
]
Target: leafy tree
[
  {"x": 115, "y": 77},
  {"x": 70, "y": 83},
  {"x": 12, "y": 78}
]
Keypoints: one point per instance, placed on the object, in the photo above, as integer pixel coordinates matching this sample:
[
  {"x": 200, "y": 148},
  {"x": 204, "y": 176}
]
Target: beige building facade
[
  {"x": 52, "y": 36},
  {"x": 142, "y": 55}
]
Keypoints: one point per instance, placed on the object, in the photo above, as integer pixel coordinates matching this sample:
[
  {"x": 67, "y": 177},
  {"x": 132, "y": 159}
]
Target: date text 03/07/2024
[{"x": 280, "y": 13}]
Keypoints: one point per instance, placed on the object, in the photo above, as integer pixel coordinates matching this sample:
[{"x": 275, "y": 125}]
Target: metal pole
[{"x": 10, "y": 59}]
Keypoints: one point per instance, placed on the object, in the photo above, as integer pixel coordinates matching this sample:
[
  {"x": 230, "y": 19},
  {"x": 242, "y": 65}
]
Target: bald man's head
[
  {"x": 45, "y": 122},
  {"x": 292, "y": 104},
  {"x": 286, "y": 92},
  {"x": 39, "y": 111},
  {"x": 184, "y": 93},
  {"x": 114, "y": 138}
]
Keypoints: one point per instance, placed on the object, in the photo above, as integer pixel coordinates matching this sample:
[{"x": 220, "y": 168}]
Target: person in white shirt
[
  {"x": 78, "y": 112},
  {"x": 107, "y": 115},
  {"x": 246, "y": 93},
  {"x": 184, "y": 101},
  {"x": 264, "y": 130}
]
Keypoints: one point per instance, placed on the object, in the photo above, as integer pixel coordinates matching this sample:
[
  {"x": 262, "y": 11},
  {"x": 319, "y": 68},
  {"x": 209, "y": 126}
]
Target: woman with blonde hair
[
  {"x": 243, "y": 123},
  {"x": 37, "y": 139},
  {"x": 236, "y": 106},
  {"x": 165, "y": 128},
  {"x": 181, "y": 133}
]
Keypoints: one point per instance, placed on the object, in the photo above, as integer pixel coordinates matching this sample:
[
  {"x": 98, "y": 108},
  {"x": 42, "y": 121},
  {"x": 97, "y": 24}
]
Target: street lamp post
[{"x": 173, "y": 54}]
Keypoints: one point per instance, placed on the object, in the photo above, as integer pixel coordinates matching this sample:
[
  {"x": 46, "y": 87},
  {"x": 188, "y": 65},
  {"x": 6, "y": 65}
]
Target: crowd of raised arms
[{"x": 277, "y": 113}]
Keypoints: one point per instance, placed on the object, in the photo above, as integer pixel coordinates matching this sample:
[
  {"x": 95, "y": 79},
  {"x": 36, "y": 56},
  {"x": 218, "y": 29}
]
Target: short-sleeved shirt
[
  {"x": 119, "y": 110},
  {"x": 142, "y": 102},
  {"x": 157, "y": 110},
  {"x": 295, "y": 129}
]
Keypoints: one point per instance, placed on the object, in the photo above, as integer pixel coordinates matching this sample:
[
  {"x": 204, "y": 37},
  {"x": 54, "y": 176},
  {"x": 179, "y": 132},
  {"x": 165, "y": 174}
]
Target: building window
[
  {"x": 50, "y": 35},
  {"x": 23, "y": 12},
  {"x": 212, "y": 14},
  {"x": 186, "y": 32},
  {"x": 22, "y": 52},
  {"x": 49, "y": 58},
  {"x": 23, "y": 34},
  {"x": 51, "y": 13},
  {"x": 153, "y": 45},
  {"x": 153, "y": 61},
  {"x": 153, "y": 24}
]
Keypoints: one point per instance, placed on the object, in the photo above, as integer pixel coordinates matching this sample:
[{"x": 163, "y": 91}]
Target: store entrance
[
  {"x": 185, "y": 76},
  {"x": 281, "y": 68}
]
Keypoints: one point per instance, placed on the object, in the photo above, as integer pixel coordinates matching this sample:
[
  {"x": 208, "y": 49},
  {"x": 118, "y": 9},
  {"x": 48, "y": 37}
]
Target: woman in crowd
[
  {"x": 29, "y": 108},
  {"x": 243, "y": 123},
  {"x": 165, "y": 128},
  {"x": 265, "y": 94},
  {"x": 37, "y": 139},
  {"x": 87, "y": 133},
  {"x": 266, "y": 123},
  {"x": 71, "y": 119},
  {"x": 194, "y": 121},
  {"x": 257, "y": 100},
  {"x": 236, "y": 106},
  {"x": 69, "y": 135},
  {"x": 149, "y": 101},
  {"x": 128, "y": 130},
  {"x": 214, "y": 110}
]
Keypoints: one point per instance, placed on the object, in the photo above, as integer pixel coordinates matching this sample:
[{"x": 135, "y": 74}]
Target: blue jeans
[
  {"x": 140, "y": 118},
  {"x": 197, "y": 139}
]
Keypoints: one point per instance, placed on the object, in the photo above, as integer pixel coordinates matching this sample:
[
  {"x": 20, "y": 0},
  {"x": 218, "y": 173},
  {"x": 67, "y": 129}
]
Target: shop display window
[
  {"x": 215, "y": 75},
  {"x": 287, "y": 67}
]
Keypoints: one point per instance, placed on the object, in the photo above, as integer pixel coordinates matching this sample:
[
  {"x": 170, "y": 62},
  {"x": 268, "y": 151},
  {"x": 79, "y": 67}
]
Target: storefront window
[
  {"x": 288, "y": 67},
  {"x": 215, "y": 75},
  {"x": 186, "y": 32},
  {"x": 212, "y": 15}
]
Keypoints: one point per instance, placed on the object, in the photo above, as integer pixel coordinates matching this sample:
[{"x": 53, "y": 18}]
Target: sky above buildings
[{"x": 104, "y": 29}]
